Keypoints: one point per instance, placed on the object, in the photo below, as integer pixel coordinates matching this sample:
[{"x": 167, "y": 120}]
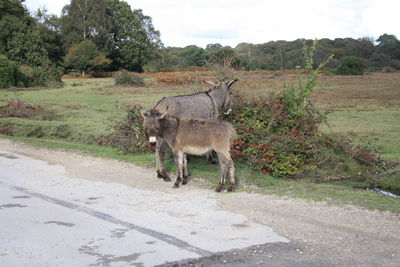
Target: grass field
[{"x": 366, "y": 108}]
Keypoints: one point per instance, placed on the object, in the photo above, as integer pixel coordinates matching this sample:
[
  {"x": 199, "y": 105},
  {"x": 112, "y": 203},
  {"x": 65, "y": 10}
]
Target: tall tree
[
  {"x": 135, "y": 40},
  {"x": 86, "y": 20},
  {"x": 390, "y": 45},
  {"x": 48, "y": 29},
  {"x": 13, "y": 18},
  {"x": 85, "y": 57}
]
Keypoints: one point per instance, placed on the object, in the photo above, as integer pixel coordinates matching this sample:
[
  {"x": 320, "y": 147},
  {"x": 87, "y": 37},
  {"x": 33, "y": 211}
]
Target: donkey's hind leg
[
  {"x": 161, "y": 148},
  {"x": 223, "y": 173},
  {"x": 179, "y": 167},
  {"x": 232, "y": 181},
  {"x": 185, "y": 170}
]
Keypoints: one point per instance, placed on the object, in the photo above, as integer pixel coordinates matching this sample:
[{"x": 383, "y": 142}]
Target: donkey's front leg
[
  {"x": 179, "y": 167},
  {"x": 161, "y": 147}
]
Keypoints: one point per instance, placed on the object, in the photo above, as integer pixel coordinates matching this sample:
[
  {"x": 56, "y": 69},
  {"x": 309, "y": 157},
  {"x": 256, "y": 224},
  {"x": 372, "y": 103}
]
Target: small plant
[
  {"x": 125, "y": 78},
  {"x": 129, "y": 134},
  {"x": 351, "y": 66},
  {"x": 224, "y": 69}
]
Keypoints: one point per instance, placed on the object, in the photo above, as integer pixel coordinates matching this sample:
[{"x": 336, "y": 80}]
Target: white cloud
[{"x": 229, "y": 22}]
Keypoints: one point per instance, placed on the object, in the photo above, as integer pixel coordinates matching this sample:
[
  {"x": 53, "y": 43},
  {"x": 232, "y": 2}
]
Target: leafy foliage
[
  {"x": 8, "y": 72},
  {"x": 24, "y": 47},
  {"x": 134, "y": 39},
  {"x": 85, "y": 57},
  {"x": 86, "y": 20},
  {"x": 351, "y": 66}
]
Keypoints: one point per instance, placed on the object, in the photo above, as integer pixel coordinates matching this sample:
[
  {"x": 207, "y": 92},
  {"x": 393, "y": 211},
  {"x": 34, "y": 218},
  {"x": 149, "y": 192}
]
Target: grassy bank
[{"x": 250, "y": 181}]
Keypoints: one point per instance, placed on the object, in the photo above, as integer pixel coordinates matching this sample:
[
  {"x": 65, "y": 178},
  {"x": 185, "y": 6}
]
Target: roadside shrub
[
  {"x": 129, "y": 134},
  {"x": 278, "y": 134},
  {"x": 62, "y": 131},
  {"x": 6, "y": 131},
  {"x": 351, "y": 66},
  {"x": 275, "y": 135},
  {"x": 17, "y": 108},
  {"x": 36, "y": 131},
  {"x": 125, "y": 78}
]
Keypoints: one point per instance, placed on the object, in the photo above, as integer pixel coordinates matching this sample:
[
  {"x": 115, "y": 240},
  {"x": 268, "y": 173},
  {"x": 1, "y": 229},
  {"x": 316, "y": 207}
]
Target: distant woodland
[{"x": 275, "y": 55}]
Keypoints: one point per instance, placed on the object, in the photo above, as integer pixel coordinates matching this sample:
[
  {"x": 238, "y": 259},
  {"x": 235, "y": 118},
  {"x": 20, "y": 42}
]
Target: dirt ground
[{"x": 320, "y": 234}]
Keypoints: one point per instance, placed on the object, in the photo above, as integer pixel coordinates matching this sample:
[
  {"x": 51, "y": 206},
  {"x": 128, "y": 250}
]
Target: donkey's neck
[
  {"x": 218, "y": 96},
  {"x": 169, "y": 130}
]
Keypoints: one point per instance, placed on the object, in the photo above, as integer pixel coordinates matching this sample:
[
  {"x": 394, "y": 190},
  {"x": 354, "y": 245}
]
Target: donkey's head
[
  {"x": 224, "y": 95},
  {"x": 152, "y": 125}
]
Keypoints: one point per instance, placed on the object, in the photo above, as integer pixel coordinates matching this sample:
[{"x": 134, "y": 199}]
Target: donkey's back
[
  {"x": 199, "y": 136},
  {"x": 188, "y": 106}
]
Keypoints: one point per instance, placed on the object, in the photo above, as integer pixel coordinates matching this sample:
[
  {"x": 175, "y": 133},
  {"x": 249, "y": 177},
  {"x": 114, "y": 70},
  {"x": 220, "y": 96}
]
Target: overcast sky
[{"x": 230, "y": 22}]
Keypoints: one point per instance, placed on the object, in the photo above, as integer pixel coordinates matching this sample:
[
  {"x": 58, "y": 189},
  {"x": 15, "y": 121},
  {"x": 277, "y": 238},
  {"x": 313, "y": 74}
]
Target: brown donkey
[{"x": 194, "y": 137}]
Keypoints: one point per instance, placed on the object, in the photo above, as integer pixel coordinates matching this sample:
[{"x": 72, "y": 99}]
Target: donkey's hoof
[
  {"x": 185, "y": 180},
  {"x": 219, "y": 188},
  {"x": 167, "y": 179},
  {"x": 161, "y": 174},
  {"x": 230, "y": 189},
  {"x": 175, "y": 186}
]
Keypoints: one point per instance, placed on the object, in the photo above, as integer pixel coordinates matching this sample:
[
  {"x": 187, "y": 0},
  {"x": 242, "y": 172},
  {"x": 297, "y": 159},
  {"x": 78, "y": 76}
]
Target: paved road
[{"x": 49, "y": 218}]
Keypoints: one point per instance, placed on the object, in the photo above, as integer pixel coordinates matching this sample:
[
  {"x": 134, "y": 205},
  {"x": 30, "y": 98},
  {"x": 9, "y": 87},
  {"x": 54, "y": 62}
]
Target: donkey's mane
[{"x": 199, "y": 93}]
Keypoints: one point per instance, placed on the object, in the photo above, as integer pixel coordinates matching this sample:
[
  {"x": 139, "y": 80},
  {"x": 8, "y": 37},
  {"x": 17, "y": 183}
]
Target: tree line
[
  {"x": 278, "y": 55},
  {"x": 108, "y": 35}
]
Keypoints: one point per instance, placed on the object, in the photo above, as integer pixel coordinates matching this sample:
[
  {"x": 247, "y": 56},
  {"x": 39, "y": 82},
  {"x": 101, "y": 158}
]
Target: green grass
[
  {"x": 378, "y": 129},
  {"x": 89, "y": 108}
]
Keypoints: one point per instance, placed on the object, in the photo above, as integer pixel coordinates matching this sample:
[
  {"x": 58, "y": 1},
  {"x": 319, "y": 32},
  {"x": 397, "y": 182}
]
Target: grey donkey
[
  {"x": 205, "y": 105},
  {"x": 193, "y": 137}
]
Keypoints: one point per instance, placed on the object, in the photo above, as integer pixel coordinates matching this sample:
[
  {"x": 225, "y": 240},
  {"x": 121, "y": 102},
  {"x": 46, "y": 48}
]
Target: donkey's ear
[
  {"x": 232, "y": 82},
  {"x": 210, "y": 83}
]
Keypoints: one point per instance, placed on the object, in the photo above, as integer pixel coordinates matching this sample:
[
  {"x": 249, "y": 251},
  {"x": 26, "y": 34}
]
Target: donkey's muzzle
[
  {"x": 229, "y": 111},
  {"x": 152, "y": 140}
]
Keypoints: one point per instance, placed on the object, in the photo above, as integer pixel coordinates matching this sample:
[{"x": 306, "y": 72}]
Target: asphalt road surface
[
  {"x": 67, "y": 209},
  {"x": 51, "y": 219}
]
